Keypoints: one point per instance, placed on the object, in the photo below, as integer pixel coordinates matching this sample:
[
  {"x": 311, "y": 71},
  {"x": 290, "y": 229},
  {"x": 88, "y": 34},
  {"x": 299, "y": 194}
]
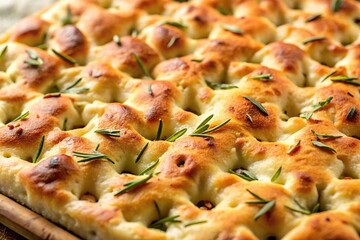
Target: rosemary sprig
[
  {"x": 232, "y": 28},
  {"x": 141, "y": 65},
  {"x": 316, "y": 107},
  {"x": 257, "y": 104},
  {"x": 336, "y": 5},
  {"x": 312, "y": 18},
  {"x": 197, "y": 60},
  {"x": 161, "y": 224},
  {"x": 134, "y": 33},
  {"x": 351, "y": 113},
  {"x": 303, "y": 210},
  {"x": 132, "y": 184},
  {"x": 150, "y": 167},
  {"x": 65, "y": 124},
  {"x": 244, "y": 174},
  {"x": 174, "y": 24},
  {"x": 324, "y": 136},
  {"x": 223, "y": 86},
  {"x": 216, "y": 127},
  {"x": 3, "y": 51},
  {"x": 141, "y": 152},
  {"x": 313, "y": 39},
  {"x": 150, "y": 91},
  {"x": 291, "y": 150},
  {"x": 86, "y": 157},
  {"x": 38, "y": 152},
  {"x": 203, "y": 129},
  {"x": 176, "y": 135},
  {"x": 21, "y": 117},
  {"x": 116, "y": 39},
  {"x": 268, "y": 204},
  {"x": 329, "y": 75},
  {"x": 64, "y": 57},
  {"x": 97, "y": 147},
  {"x": 72, "y": 89},
  {"x": 157, "y": 208},
  {"x": 34, "y": 60},
  {"x": 322, "y": 145},
  {"x": 195, "y": 223},
  {"x": 108, "y": 132},
  {"x": 248, "y": 116},
  {"x": 262, "y": 77},
  {"x": 223, "y": 11},
  {"x": 171, "y": 42},
  {"x": 67, "y": 19},
  {"x": 346, "y": 79},
  {"x": 159, "y": 131},
  {"x": 276, "y": 175}
]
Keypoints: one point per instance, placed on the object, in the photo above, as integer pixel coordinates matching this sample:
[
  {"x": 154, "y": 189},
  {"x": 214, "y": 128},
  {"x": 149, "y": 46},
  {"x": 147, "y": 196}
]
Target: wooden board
[{"x": 29, "y": 224}]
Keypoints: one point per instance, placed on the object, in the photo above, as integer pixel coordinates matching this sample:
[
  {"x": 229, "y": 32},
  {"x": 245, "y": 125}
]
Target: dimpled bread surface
[{"x": 277, "y": 79}]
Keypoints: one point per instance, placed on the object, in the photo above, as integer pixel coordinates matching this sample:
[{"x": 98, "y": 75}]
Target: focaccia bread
[{"x": 199, "y": 119}]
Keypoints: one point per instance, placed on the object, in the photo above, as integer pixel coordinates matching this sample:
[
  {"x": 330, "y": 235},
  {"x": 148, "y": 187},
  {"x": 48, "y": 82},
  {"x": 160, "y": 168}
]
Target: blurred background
[{"x": 11, "y": 11}]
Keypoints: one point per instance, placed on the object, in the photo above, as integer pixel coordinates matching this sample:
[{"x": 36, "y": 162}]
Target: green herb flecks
[
  {"x": 3, "y": 51},
  {"x": 172, "y": 42},
  {"x": 329, "y": 75},
  {"x": 87, "y": 157},
  {"x": 203, "y": 129},
  {"x": 262, "y": 77},
  {"x": 268, "y": 204},
  {"x": 108, "y": 132},
  {"x": 276, "y": 175},
  {"x": 174, "y": 24},
  {"x": 176, "y": 135},
  {"x": 351, "y": 113},
  {"x": 142, "y": 66},
  {"x": 72, "y": 89},
  {"x": 346, "y": 80},
  {"x": 65, "y": 124},
  {"x": 224, "y": 11},
  {"x": 303, "y": 210},
  {"x": 157, "y": 208},
  {"x": 244, "y": 174},
  {"x": 197, "y": 60},
  {"x": 232, "y": 28},
  {"x": 248, "y": 116},
  {"x": 67, "y": 19},
  {"x": 324, "y": 136},
  {"x": 21, "y": 117},
  {"x": 150, "y": 91},
  {"x": 336, "y": 5},
  {"x": 257, "y": 104},
  {"x": 64, "y": 57},
  {"x": 163, "y": 223},
  {"x": 313, "y": 18},
  {"x": 141, "y": 152},
  {"x": 292, "y": 149},
  {"x": 316, "y": 107},
  {"x": 313, "y": 39},
  {"x": 195, "y": 223},
  {"x": 133, "y": 184},
  {"x": 159, "y": 131},
  {"x": 34, "y": 60},
  {"x": 323, "y": 146},
  {"x": 151, "y": 167},
  {"x": 222, "y": 86},
  {"x": 38, "y": 152},
  {"x": 116, "y": 40}
]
